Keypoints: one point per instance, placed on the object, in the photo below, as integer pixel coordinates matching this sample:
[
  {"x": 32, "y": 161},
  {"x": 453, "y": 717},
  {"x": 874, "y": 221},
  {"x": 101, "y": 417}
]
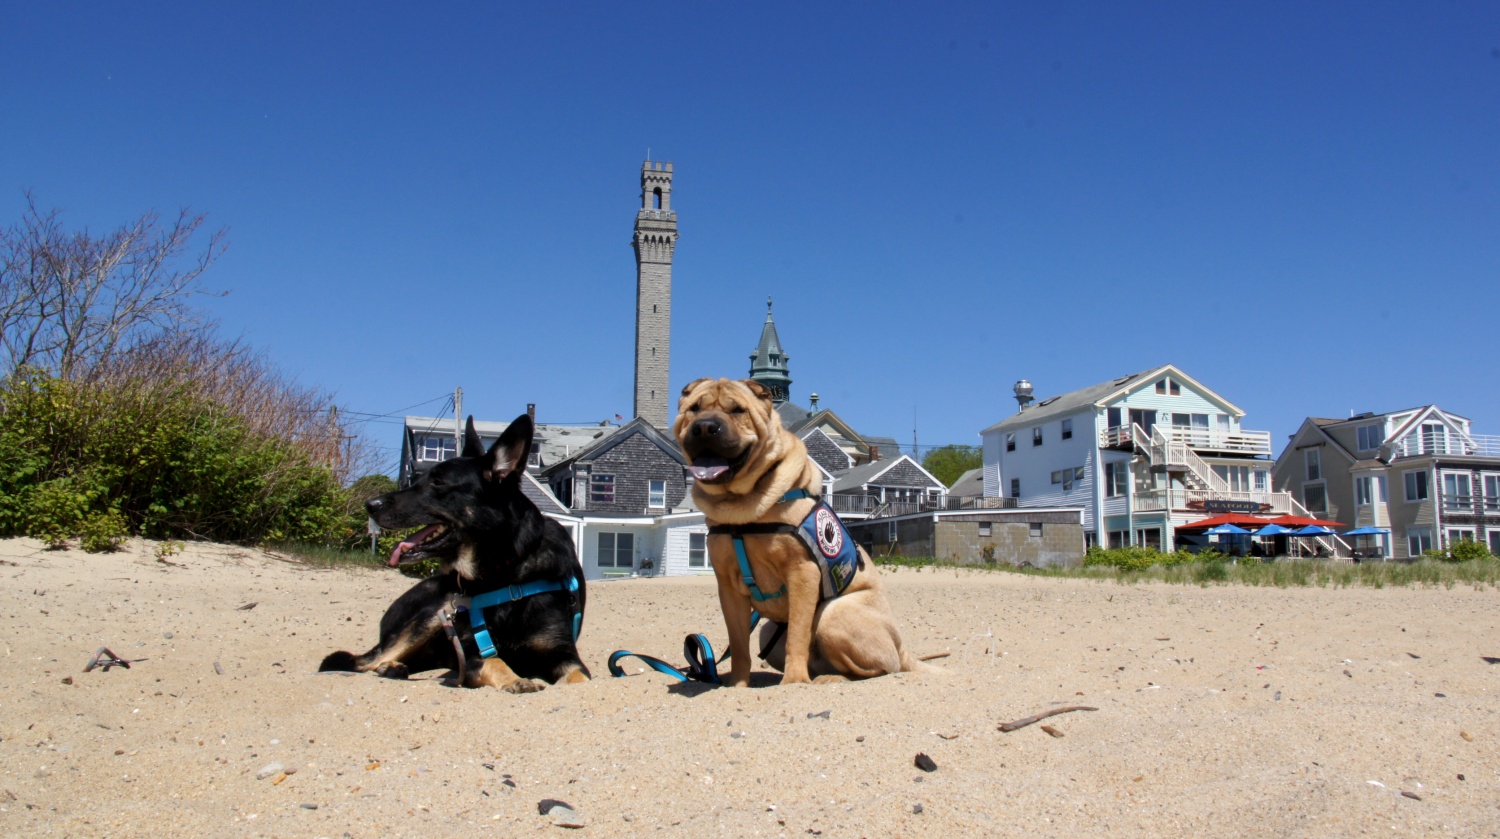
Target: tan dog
[{"x": 743, "y": 462}]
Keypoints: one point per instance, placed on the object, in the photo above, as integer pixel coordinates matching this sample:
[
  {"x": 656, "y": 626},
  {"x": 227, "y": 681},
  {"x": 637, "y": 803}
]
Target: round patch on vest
[{"x": 830, "y": 535}]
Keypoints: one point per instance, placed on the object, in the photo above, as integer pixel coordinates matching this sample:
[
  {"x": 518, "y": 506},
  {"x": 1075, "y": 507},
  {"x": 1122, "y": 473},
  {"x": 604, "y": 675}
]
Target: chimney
[
  {"x": 874, "y": 453},
  {"x": 531, "y": 412}
]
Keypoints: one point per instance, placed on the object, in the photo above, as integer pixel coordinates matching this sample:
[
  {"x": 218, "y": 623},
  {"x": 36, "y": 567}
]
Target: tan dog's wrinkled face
[{"x": 722, "y": 426}]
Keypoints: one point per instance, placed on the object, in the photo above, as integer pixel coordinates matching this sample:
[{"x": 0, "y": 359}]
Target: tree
[
  {"x": 72, "y": 300},
  {"x": 949, "y": 463}
]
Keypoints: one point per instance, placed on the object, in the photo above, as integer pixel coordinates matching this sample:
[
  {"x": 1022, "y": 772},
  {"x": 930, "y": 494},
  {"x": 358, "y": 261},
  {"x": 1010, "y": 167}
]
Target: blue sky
[{"x": 1298, "y": 204}]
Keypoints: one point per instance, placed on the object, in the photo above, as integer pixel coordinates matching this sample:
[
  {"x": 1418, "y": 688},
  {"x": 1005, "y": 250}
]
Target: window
[
  {"x": 1015, "y": 487},
  {"x": 697, "y": 550},
  {"x": 1314, "y": 464},
  {"x": 1434, "y": 438},
  {"x": 1363, "y": 495},
  {"x": 658, "y": 495},
  {"x": 1416, "y": 487},
  {"x": 1057, "y": 477},
  {"x": 1314, "y": 497},
  {"x": 1168, "y": 386},
  {"x": 1370, "y": 437},
  {"x": 1036, "y": 436},
  {"x": 1495, "y": 542},
  {"x": 1492, "y": 492},
  {"x": 1380, "y": 488},
  {"x": 1149, "y": 537},
  {"x": 1119, "y": 538},
  {"x": 986, "y": 528},
  {"x": 1262, "y": 480},
  {"x": 1067, "y": 429},
  {"x": 1010, "y": 442},
  {"x": 1418, "y": 540},
  {"x": 1036, "y": 528},
  {"x": 1116, "y": 479},
  {"x": 1459, "y": 534},
  {"x": 890, "y": 532},
  {"x": 436, "y": 447},
  {"x": 1456, "y": 495},
  {"x": 601, "y": 489},
  {"x": 616, "y": 550}
]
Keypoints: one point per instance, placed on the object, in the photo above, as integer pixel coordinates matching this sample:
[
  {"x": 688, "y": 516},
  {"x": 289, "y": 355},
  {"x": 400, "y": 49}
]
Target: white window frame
[
  {"x": 1369, "y": 437},
  {"x": 1450, "y": 501},
  {"x": 1034, "y": 528},
  {"x": 986, "y": 528},
  {"x": 1036, "y": 435},
  {"x": 601, "y": 489},
  {"x": 1010, "y": 441},
  {"x": 1364, "y": 486},
  {"x": 1406, "y": 484},
  {"x": 697, "y": 550},
  {"x": 619, "y": 541},
  {"x": 1491, "y": 485},
  {"x": 1067, "y": 429},
  {"x": 1116, "y": 479},
  {"x": 1418, "y": 540},
  {"x": 1458, "y": 534},
  {"x": 1312, "y": 459},
  {"x": 1320, "y": 487},
  {"x": 1015, "y": 487},
  {"x": 656, "y": 497},
  {"x": 436, "y": 448}
]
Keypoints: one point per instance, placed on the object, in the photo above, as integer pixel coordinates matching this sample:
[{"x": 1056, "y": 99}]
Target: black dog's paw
[
  {"x": 393, "y": 670},
  {"x": 523, "y": 686},
  {"x": 338, "y": 661}
]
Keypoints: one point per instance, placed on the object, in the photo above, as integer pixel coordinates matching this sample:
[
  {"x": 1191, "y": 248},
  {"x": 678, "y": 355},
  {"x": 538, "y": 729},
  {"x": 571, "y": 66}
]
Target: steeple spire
[{"x": 768, "y": 364}]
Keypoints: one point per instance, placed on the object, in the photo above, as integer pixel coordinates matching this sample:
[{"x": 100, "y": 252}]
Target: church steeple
[{"x": 768, "y": 364}]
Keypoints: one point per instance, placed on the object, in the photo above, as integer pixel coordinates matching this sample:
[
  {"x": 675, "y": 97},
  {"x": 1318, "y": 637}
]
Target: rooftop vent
[{"x": 1023, "y": 393}]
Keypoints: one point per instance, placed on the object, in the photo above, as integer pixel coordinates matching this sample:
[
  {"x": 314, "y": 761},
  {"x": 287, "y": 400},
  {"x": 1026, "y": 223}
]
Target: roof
[
  {"x": 1097, "y": 395},
  {"x": 623, "y": 433},
  {"x": 969, "y": 485},
  {"x": 1068, "y": 403},
  {"x": 551, "y": 443},
  {"x": 868, "y": 473}
]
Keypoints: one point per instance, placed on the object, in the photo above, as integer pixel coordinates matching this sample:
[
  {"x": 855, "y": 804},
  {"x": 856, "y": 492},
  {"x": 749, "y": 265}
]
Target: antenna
[{"x": 914, "y": 431}]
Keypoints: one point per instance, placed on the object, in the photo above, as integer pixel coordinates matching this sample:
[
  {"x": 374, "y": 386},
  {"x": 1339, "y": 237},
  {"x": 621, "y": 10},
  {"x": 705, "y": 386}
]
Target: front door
[{"x": 1145, "y": 419}]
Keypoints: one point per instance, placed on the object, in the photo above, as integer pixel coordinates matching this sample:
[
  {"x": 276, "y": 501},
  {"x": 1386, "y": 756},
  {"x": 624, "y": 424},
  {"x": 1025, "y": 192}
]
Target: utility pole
[{"x": 458, "y": 412}]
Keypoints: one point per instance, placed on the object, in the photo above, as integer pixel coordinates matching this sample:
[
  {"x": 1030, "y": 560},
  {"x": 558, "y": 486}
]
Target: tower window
[
  {"x": 656, "y": 198},
  {"x": 653, "y": 308}
]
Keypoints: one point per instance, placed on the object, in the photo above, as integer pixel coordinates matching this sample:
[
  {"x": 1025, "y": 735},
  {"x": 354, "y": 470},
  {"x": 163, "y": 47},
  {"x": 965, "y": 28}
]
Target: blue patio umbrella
[
  {"x": 1225, "y": 530},
  {"x": 1367, "y": 531},
  {"x": 1273, "y": 530},
  {"x": 1313, "y": 530}
]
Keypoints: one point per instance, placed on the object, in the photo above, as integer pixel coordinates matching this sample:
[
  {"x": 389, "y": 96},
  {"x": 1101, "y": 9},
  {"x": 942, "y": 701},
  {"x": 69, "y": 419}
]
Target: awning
[
  {"x": 1225, "y": 518},
  {"x": 1304, "y": 521},
  {"x": 1368, "y": 531}
]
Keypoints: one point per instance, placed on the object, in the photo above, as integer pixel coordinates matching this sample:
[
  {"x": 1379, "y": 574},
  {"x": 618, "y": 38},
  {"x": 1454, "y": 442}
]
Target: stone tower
[
  {"x": 768, "y": 362},
  {"x": 655, "y": 241}
]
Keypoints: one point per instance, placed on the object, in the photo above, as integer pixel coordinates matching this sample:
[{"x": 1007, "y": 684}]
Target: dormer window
[{"x": 1168, "y": 387}]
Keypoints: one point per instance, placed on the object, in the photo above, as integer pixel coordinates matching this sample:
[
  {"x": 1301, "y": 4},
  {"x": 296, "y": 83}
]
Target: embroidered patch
[{"x": 830, "y": 535}]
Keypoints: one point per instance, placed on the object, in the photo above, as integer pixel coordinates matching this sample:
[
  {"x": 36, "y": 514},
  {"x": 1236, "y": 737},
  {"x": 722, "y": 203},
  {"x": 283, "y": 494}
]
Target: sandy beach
[{"x": 1222, "y": 711}]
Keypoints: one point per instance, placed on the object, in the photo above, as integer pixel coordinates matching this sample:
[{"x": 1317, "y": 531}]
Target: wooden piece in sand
[{"x": 1025, "y": 721}]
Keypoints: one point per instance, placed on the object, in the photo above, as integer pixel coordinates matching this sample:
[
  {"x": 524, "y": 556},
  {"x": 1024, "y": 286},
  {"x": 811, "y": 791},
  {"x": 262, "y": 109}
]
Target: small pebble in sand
[
  {"x": 916, "y": 809},
  {"x": 1466, "y": 735},
  {"x": 1413, "y": 796},
  {"x": 309, "y": 806},
  {"x": 823, "y": 714},
  {"x": 273, "y": 768},
  {"x": 1053, "y": 731},
  {"x": 925, "y": 763},
  {"x": 167, "y": 635}
]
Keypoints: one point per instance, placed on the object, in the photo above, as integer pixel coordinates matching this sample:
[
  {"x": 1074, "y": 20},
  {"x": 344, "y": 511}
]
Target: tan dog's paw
[
  {"x": 829, "y": 679},
  {"x": 576, "y": 677},
  {"x": 523, "y": 686}
]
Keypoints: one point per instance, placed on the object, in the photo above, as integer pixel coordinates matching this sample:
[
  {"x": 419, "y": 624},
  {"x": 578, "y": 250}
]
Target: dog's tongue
[
  {"x": 708, "y": 468},
  {"x": 416, "y": 539}
]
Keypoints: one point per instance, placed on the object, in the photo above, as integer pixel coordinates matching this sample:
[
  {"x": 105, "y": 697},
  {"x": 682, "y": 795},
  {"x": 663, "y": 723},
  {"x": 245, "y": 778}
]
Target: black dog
[{"x": 489, "y": 538}]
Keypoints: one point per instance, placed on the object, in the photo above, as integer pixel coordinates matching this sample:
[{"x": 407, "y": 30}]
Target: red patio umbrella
[
  {"x": 1225, "y": 518},
  {"x": 1304, "y": 521}
]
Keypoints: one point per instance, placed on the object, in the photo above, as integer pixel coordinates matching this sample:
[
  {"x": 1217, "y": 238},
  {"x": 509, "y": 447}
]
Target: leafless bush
[{"x": 73, "y": 298}]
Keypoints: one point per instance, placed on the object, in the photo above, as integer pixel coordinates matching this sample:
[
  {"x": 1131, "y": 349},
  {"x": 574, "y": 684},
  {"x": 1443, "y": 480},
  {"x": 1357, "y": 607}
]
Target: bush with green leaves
[
  {"x": 1137, "y": 558},
  {"x": 149, "y": 455},
  {"x": 1467, "y": 549}
]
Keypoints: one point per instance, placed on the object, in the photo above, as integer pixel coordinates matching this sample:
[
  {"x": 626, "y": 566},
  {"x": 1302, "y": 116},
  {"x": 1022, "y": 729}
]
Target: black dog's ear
[
  {"x": 509, "y": 454},
  {"x": 473, "y": 446}
]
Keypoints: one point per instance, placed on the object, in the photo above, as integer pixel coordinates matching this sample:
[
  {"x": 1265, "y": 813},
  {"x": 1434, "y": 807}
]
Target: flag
[{"x": 618, "y": 417}]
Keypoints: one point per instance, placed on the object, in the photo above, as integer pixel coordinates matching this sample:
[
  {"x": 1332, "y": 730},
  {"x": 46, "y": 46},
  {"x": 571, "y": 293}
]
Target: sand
[{"x": 1222, "y": 711}]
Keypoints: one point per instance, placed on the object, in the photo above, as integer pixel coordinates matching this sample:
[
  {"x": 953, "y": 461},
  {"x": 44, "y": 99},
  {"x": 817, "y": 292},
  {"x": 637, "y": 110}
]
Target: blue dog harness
[
  {"x": 827, "y": 541},
  {"x": 510, "y": 594}
]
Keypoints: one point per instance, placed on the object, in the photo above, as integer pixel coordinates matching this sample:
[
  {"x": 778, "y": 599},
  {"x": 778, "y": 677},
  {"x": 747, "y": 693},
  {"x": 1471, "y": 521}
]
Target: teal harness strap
[
  {"x": 738, "y": 531},
  {"x": 510, "y": 594}
]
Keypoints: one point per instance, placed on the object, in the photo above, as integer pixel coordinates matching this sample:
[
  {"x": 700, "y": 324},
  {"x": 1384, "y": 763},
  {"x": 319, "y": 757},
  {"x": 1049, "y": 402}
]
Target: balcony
[
  {"x": 1245, "y": 443},
  {"x": 865, "y": 506},
  {"x": 1473, "y": 445},
  {"x": 1155, "y": 500}
]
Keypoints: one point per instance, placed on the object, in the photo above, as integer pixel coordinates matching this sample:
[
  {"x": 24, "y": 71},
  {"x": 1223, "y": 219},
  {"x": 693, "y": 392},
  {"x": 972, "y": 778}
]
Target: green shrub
[
  {"x": 102, "y": 532},
  {"x": 1467, "y": 549}
]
